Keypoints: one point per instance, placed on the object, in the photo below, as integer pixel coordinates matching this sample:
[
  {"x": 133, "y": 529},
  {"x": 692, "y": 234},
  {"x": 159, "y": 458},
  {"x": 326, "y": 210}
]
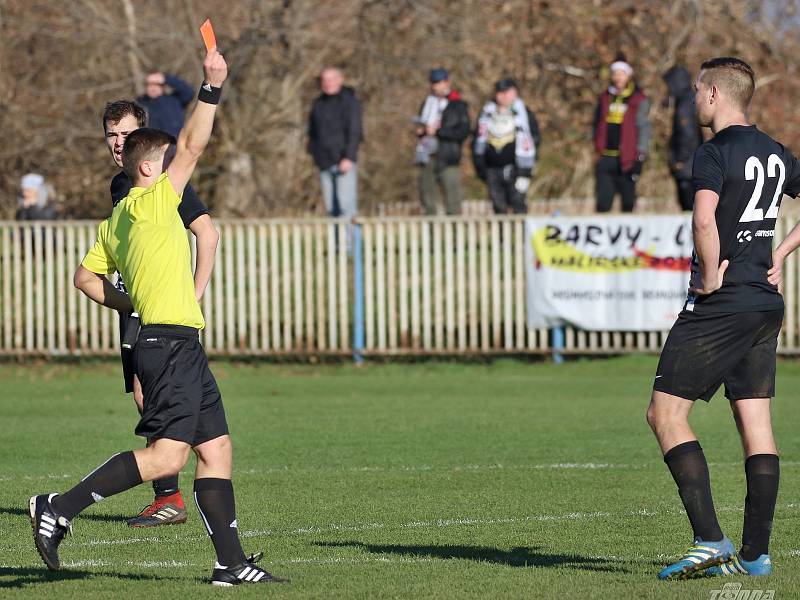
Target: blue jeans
[{"x": 340, "y": 191}]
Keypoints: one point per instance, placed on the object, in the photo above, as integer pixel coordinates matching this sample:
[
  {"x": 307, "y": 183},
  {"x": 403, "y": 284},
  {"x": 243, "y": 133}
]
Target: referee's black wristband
[{"x": 209, "y": 94}]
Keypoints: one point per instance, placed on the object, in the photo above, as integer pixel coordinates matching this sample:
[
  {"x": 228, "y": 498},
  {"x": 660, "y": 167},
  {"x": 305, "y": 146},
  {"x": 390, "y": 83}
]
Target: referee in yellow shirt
[{"x": 144, "y": 239}]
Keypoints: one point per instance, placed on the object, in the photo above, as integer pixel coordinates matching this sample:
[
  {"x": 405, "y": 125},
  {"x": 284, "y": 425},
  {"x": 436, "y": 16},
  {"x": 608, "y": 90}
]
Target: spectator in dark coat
[
  {"x": 442, "y": 128},
  {"x": 621, "y": 138},
  {"x": 33, "y": 200},
  {"x": 686, "y": 133},
  {"x": 334, "y": 134},
  {"x": 504, "y": 150},
  {"x": 166, "y": 111}
]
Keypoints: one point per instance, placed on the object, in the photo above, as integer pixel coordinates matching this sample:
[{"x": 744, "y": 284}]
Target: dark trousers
[
  {"x": 502, "y": 192},
  {"x": 610, "y": 180},
  {"x": 685, "y": 193}
]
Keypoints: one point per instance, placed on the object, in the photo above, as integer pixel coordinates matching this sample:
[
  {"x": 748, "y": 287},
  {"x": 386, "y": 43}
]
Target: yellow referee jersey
[{"x": 145, "y": 240}]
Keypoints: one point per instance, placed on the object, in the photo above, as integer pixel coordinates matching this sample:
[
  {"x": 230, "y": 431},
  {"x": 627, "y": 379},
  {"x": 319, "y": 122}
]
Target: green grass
[{"x": 438, "y": 480}]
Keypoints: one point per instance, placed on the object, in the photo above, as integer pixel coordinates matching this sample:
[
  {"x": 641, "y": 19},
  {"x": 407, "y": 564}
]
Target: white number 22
[{"x": 753, "y": 169}]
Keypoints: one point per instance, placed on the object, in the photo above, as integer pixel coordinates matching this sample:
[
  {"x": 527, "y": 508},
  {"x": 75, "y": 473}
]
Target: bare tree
[{"x": 60, "y": 63}]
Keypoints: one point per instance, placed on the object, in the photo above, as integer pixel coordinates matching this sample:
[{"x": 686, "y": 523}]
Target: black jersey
[
  {"x": 189, "y": 209},
  {"x": 750, "y": 172}
]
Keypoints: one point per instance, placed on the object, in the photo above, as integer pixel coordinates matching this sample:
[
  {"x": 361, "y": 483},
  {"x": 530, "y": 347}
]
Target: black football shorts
[
  {"x": 704, "y": 351},
  {"x": 181, "y": 398}
]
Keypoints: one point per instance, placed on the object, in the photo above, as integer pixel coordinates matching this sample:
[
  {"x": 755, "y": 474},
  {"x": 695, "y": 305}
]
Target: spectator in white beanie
[{"x": 621, "y": 138}]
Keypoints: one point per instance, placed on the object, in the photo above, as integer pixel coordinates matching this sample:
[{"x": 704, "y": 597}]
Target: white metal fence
[{"x": 387, "y": 286}]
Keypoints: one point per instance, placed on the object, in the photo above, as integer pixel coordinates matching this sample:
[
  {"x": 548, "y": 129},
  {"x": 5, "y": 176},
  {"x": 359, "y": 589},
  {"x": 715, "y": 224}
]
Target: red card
[{"x": 207, "y": 31}]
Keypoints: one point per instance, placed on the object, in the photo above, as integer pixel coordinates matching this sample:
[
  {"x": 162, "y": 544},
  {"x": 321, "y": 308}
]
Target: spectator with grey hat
[
  {"x": 505, "y": 146},
  {"x": 33, "y": 200},
  {"x": 621, "y": 138},
  {"x": 442, "y": 126}
]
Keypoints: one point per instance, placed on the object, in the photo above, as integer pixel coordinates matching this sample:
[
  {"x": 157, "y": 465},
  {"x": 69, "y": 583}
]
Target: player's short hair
[
  {"x": 732, "y": 75},
  {"x": 141, "y": 145},
  {"x": 115, "y": 111}
]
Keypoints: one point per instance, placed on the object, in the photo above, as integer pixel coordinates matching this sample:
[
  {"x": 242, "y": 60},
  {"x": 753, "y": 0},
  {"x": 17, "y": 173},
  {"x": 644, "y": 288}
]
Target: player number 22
[{"x": 753, "y": 169}]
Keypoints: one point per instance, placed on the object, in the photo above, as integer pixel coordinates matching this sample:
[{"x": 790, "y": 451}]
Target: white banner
[{"x": 607, "y": 273}]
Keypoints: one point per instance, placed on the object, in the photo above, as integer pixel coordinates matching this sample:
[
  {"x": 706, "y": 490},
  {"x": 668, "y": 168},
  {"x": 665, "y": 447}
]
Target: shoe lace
[
  {"x": 149, "y": 510},
  {"x": 63, "y": 527}
]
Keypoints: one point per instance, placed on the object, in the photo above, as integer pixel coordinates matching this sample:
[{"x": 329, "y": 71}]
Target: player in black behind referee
[
  {"x": 728, "y": 330},
  {"x": 144, "y": 239},
  {"x": 120, "y": 118}
]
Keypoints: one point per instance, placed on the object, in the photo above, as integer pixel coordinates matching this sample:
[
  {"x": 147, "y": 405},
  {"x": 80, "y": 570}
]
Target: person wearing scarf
[
  {"x": 504, "y": 149},
  {"x": 441, "y": 126},
  {"x": 621, "y": 138}
]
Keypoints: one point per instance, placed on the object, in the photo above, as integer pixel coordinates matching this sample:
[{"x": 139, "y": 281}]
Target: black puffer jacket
[
  {"x": 453, "y": 131},
  {"x": 334, "y": 128},
  {"x": 686, "y": 133}
]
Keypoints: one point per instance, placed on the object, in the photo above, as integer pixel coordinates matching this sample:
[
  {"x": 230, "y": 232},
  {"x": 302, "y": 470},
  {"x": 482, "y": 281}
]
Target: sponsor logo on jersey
[{"x": 744, "y": 236}]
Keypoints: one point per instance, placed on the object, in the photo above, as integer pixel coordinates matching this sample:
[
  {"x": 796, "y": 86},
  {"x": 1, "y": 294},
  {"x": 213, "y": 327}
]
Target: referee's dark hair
[
  {"x": 732, "y": 75},
  {"x": 115, "y": 111},
  {"x": 141, "y": 145}
]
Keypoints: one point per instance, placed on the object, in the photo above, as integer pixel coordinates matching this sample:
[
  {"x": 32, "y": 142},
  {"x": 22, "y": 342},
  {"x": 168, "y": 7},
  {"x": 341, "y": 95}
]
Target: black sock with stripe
[
  {"x": 214, "y": 498},
  {"x": 763, "y": 474},
  {"x": 118, "y": 474},
  {"x": 689, "y": 469}
]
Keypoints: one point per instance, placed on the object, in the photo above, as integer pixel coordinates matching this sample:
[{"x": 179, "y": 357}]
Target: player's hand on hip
[
  {"x": 709, "y": 287},
  {"x": 215, "y": 68},
  {"x": 775, "y": 274}
]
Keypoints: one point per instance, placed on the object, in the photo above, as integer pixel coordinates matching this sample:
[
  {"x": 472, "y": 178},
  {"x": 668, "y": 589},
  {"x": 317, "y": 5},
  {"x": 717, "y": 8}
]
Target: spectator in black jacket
[
  {"x": 166, "y": 111},
  {"x": 334, "y": 134},
  {"x": 504, "y": 150},
  {"x": 442, "y": 127},
  {"x": 33, "y": 200},
  {"x": 686, "y": 133}
]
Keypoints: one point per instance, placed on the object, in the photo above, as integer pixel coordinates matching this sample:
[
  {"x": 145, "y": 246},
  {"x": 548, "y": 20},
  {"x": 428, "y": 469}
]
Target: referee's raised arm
[{"x": 194, "y": 137}]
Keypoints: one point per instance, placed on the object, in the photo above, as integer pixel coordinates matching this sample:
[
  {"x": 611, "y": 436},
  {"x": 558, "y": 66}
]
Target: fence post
[
  {"x": 358, "y": 296},
  {"x": 558, "y": 344}
]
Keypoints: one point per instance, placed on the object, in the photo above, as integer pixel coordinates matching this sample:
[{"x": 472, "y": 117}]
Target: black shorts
[
  {"x": 126, "y": 353},
  {"x": 703, "y": 351},
  {"x": 181, "y": 398}
]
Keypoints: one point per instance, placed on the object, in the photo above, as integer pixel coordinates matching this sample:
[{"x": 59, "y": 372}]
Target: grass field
[{"x": 439, "y": 480}]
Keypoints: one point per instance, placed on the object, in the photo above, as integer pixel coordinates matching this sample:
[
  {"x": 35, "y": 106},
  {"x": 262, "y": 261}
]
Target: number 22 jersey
[{"x": 750, "y": 172}]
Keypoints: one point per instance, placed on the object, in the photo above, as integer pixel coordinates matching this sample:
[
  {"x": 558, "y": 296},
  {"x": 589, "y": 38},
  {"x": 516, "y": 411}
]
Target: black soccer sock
[
  {"x": 166, "y": 486},
  {"x": 763, "y": 474},
  {"x": 117, "y": 474},
  {"x": 214, "y": 498},
  {"x": 689, "y": 469}
]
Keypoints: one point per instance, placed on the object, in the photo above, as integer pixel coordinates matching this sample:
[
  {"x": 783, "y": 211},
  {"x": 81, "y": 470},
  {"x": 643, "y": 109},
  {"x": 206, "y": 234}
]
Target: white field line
[
  {"x": 589, "y": 466},
  {"x": 337, "y": 560},
  {"x": 417, "y": 524}
]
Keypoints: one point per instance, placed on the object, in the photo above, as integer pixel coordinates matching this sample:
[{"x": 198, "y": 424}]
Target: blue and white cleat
[
  {"x": 739, "y": 566},
  {"x": 700, "y": 556}
]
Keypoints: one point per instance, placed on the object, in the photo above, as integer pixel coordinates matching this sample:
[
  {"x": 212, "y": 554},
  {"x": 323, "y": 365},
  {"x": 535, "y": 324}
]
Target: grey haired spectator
[
  {"x": 33, "y": 200},
  {"x": 334, "y": 134}
]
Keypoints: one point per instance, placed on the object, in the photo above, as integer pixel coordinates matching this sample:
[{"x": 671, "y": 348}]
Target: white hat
[{"x": 621, "y": 65}]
